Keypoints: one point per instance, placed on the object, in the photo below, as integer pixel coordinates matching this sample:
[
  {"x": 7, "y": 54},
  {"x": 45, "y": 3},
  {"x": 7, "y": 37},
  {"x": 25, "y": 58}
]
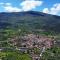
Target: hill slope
[{"x": 31, "y": 20}]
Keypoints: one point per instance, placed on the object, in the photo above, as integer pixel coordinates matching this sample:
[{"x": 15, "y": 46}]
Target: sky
[{"x": 45, "y": 6}]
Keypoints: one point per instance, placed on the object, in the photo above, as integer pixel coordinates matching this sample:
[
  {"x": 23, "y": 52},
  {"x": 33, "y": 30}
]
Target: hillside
[{"x": 31, "y": 20}]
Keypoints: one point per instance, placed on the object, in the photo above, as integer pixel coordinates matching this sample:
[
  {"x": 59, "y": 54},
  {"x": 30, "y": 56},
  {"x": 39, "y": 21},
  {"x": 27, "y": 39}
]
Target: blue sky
[{"x": 46, "y": 6}]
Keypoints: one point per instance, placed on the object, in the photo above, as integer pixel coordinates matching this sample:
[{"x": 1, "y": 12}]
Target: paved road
[{"x": 42, "y": 50}]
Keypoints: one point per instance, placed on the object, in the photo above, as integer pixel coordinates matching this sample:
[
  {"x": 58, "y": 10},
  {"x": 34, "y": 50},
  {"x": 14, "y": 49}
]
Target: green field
[{"x": 14, "y": 56}]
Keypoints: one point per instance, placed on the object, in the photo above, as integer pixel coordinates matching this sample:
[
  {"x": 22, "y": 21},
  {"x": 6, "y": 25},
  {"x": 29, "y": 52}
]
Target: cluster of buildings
[
  {"x": 31, "y": 40},
  {"x": 28, "y": 42}
]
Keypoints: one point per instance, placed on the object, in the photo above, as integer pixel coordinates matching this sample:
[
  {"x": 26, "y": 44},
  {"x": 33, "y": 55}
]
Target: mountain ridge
[{"x": 37, "y": 12}]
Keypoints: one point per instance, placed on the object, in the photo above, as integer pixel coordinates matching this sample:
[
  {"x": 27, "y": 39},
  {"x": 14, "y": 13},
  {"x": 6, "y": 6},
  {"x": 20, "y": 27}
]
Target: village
[{"x": 32, "y": 44}]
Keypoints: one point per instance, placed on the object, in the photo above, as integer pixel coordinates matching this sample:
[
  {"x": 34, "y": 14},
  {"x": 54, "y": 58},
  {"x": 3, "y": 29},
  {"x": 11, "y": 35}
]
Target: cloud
[
  {"x": 8, "y": 4},
  {"x": 5, "y": 4},
  {"x": 12, "y": 9},
  {"x": 25, "y": 5},
  {"x": 55, "y": 9},
  {"x": 46, "y": 10},
  {"x": 30, "y": 4},
  {"x": 9, "y": 8},
  {"x": 1, "y": 3}
]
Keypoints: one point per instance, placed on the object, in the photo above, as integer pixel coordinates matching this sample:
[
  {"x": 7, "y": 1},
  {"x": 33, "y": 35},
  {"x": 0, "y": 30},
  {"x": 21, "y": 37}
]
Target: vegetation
[
  {"x": 14, "y": 56},
  {"x": 52, "y": 54},
  {"x": 18, "y": 24}
]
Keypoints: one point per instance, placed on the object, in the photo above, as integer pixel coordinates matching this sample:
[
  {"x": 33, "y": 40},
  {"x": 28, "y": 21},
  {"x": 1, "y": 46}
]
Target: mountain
[{"x": 31, "y": 20}]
